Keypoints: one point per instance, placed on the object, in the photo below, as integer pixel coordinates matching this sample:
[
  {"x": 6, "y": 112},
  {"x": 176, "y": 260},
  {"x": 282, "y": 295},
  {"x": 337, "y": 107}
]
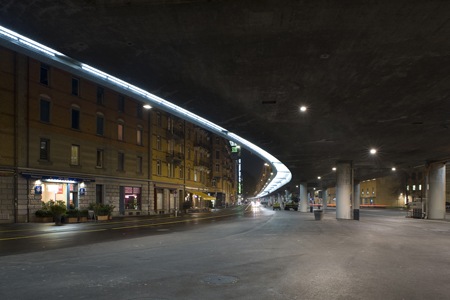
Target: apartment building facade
[{"x": 67, "y": 138}]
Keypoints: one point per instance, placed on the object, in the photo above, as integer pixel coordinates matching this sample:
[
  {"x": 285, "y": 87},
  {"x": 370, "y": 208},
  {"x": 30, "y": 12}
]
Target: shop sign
[{"x": 38, "y": 190}]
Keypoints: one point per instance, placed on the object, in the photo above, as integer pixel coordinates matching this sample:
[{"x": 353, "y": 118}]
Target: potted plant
[
  {"x": 44, "y": 215},
  {"x": 72, "y": 215},
  {"x": 58, "y": 209},
  {"x": 83, "y": 215},
  {"x": 102, "y": 211}
]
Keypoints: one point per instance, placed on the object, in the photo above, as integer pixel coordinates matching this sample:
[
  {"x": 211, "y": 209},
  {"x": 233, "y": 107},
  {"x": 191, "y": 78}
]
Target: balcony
[{"x": 175, "y": 158}]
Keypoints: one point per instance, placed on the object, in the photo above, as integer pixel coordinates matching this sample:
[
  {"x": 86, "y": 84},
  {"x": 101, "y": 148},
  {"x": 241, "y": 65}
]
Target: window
[
  {"x": 217, "y": 154},
  {"x": 44, "y": 110},
  {"x": 120, "y": 130},
  {"x": 169, "y": 170},
  {"x": 75, "y": 155},
  {"x": 100, "y": 95},
  {"x": 99, "y": 193},
  {"x": 158, "y": 119},
  {"x": 121, "y": 103},
  {"x": 189, "y": 153},
  {"x": 169, "y": 124},
  {"x": 195, "y": 175},
  {"x": 158, "y": 167},
  {"x": 181, "y": 173},
  {"x": 75, "y": 118},
  {"x": 44, "y": 74},
  {"x": 99, "y": 163},
  {"x": 139, "y": 111},
  {"x": 121, "y": 161},
  {"x": 188, "y": 177},
  {"x": 100, "y": 124},
  {"x": 139, "y": 164},
  {"x": 44, "y": 149},
  {"x": 217, "y": 167},
  {"x": 75, "y": 86},
  {"x": 158, "y": 142},
  {"x": 139, "y": 136}
]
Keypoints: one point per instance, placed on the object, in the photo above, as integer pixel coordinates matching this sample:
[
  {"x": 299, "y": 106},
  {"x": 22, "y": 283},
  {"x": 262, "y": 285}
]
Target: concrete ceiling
[{"x": 372, "y": 73}]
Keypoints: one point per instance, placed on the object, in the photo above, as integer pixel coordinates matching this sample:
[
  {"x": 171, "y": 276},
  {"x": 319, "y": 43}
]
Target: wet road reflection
[{"x": 31, "y": 237}]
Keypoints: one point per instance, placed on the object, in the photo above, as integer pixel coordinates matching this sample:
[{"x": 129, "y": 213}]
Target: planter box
[
  {"x": 71, "y": 220},
  {"x": 102, "y": 218},
  {"x": 44, "y": 219},
  {"x": 82, "y": 219}
]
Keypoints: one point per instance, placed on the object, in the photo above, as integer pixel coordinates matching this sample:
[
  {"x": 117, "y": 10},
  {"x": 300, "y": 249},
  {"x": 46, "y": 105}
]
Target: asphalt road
[{"x": 231, "y": 254}]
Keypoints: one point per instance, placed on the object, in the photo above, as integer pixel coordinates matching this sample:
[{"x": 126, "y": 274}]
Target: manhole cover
[{"x": 219, "y": 279}]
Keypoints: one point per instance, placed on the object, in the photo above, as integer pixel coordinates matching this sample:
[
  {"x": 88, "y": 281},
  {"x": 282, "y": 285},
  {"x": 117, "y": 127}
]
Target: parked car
[
  {"x": 291, "y": 204},
  {"x": 276, "y": 206}
]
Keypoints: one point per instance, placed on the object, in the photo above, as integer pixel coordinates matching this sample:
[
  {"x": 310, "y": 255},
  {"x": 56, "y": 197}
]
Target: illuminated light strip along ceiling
[{"x": 10, "y": 39}]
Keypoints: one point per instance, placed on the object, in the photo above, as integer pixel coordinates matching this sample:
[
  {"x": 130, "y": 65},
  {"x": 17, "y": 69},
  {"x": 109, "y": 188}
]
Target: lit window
[
  {"x": 158, "y": 167},
  {"x": 158, "y": 142},
  {"x": 120, "y": 131},
  {"x": 169, "y": 170},
  {"x": 414, "y": 187},
  {"x": 139, "y": 136},
  {"x": 44, "y": 151},
  {"x": 75, "y": 155},
  {"x": 420, "y": 187},
  {"x": 195, "y": 175}
]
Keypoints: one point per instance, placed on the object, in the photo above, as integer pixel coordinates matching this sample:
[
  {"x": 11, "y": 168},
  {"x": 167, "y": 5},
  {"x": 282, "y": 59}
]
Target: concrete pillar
[
  {"x": 356, "y": 200},
  {"x": 343, "y": 190},
  {"x": 303, "y": 205},
  {"x": 436, "y": 202},
  {"x": 325, "y": 199}
]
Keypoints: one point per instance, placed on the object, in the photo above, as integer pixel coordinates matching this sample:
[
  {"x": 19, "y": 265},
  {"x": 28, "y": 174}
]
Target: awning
[{"x": 203, "y": 195}]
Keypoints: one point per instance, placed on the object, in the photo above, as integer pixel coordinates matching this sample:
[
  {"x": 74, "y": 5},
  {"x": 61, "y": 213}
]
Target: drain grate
[{"x": 219, "y": 279}]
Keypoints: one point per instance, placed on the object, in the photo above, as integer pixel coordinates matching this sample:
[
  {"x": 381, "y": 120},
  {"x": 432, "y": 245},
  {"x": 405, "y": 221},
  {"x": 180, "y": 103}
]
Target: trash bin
[
  {"x": 318, "y": 214},
  {"x": 417, "y": 213}
]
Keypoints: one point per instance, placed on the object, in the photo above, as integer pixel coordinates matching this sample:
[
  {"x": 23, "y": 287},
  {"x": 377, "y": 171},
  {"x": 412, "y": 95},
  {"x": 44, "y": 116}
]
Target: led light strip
[{"x": 281, "y": 174}]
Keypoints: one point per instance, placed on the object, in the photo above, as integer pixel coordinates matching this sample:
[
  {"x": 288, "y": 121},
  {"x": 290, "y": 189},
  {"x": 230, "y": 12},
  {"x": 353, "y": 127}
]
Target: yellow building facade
[{"x": 67, "y": 138}]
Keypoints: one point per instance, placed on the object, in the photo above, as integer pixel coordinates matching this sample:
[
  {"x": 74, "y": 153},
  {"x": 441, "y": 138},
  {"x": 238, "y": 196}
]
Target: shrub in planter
[
  {"x": 58, "y": 209},
  {"x": 83, "y": 215},
  {"x": 44, "y": 214},
  {"x": 72, "y": 215}
]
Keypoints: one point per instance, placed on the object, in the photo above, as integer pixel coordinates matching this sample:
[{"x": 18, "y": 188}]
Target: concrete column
[
  {"x": 325, "y": 199},
  {"x": 343, "y": 190},
  {"x": 356, "y": 200},
  {"x": 436, "y": 202},
  {"x": 303, "y": 205}
]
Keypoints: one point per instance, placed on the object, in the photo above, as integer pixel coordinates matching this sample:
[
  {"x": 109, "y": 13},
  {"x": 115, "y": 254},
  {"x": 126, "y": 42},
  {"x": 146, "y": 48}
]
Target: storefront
[
  {"x": 130, "y": 200},
  {"x": 54, "y": 188}
]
